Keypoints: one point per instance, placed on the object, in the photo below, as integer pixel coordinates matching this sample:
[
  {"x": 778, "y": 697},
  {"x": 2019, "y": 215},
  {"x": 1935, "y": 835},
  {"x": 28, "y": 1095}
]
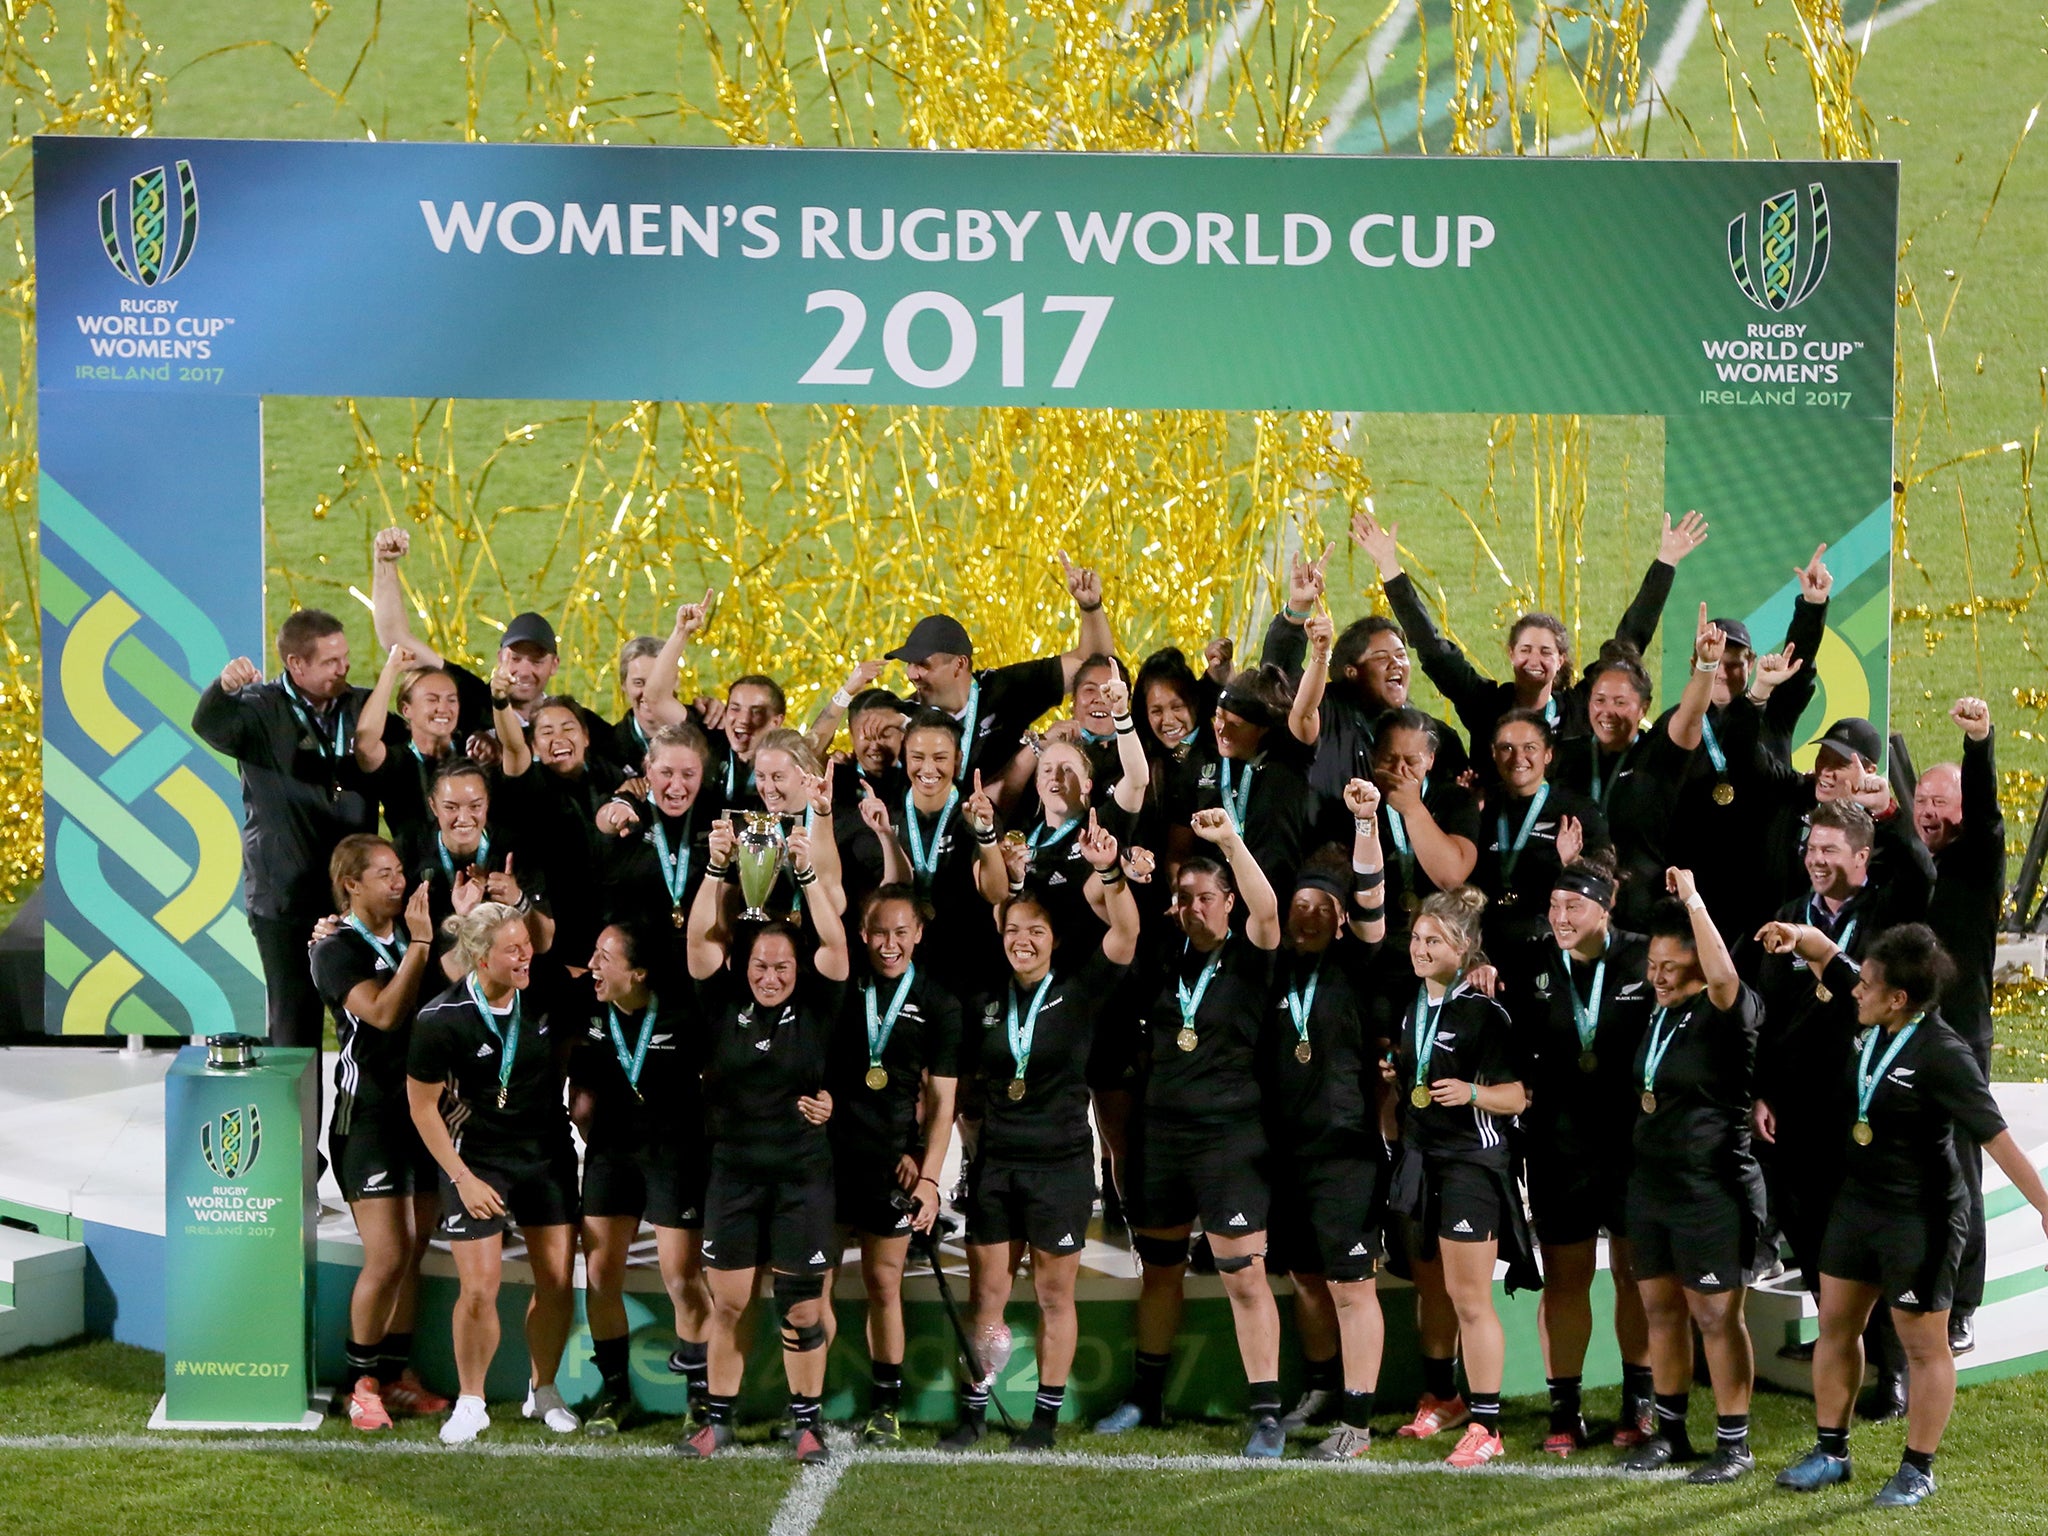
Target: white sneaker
[
  {"x": 465, "y": 1422},
  {"x": 545, "y": 1404}
]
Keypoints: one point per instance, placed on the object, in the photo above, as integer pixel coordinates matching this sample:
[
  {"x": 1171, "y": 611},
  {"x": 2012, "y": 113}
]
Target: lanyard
[
  {"x": 303, "y": 708},
  {"x": 1040, "y": 839},
  {"x": 924, "y": 860},
  {"x": 1867, "y": 1080},
  {"x": 508, "y": 1039},
  {"x": 1397, "y": 824},
  {"x": 1659, "y": 1046},
  {"x": 1301, "y": 1004},
  {"x": 1191, "y": 1002},
  {"x": 729, "y": 761},
  {"x": 481, "y": 861},
  {"x": 1602, "y": 791},
  {"x": 1550, "y": 711},
  {"x": 1424, "y": 1028},
  {"x": 631, "y": 1062},
  {"x": 968, "y": 719},
  {"x": 633, "y": 724},
  {"x": 882, "y": 1025},
  {"x": 675, "y": 867},
  {"x": 1510, "y": 855},
  {"x": 1236, "y": 801},
  {"x": 1021, "y": 1033},
  {"x": 1713, "y": 745},
  {"x": 1585, "y": 1016},
  {"x": 1817, "y": 916},
  {"x": 390, "y": 951}
]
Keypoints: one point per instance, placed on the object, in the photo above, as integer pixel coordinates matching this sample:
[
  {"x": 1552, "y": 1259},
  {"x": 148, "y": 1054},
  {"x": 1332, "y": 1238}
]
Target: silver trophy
[{"x": 760, "y": 860}]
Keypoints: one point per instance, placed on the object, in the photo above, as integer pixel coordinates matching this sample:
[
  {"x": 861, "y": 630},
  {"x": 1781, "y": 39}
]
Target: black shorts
[
  {"x": 1912, "y": 1256},
  {"x": 1216, "y": 1177},
  {"x": 1045, "y": 1207},
  {"x": 1706, "y": 1236},
  {"x": 536, "y": 1194},
  {"x": 662, "y": 1183},
  {"x": 785, "y": 1224},
  {"x": 1326, "y": 1217},
  {"x": 865, "y": 1189},
  {"x": 1575, "y": 1199},
  {"x": 1461, "y": 1204},
  {"x": 381, "y": 1160}
]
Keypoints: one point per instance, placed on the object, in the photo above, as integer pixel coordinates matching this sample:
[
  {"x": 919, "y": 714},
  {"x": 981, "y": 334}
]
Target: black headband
[
  {"x": 1316, "y": 880},
  {"x": 1589, "y": 883},
  {"x": 1248, "y": 707}
]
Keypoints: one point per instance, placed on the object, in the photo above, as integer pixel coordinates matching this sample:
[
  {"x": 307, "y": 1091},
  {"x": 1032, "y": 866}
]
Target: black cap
[
  {"x": 1857, "y": 735},
  {"x": 936, "y": 634},
  {"x": 1736, "y": 631},
  {"x": 529, "y": 629}
]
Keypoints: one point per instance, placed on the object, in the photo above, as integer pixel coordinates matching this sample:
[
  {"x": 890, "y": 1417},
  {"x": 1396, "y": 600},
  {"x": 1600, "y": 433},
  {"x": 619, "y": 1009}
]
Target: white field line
[
  {"x": 1358, "y": 94},
  {"x": 797, "y": 1514}
]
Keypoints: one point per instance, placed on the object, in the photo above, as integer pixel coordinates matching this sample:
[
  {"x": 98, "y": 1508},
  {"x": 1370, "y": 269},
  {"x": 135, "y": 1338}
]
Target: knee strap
[
  {"x": 1161, "y": 1252},
  {"x": 791, "y": 1291},
  {"x": 802, "y": 1338},
  {"x": 1236, "y": 1263}
]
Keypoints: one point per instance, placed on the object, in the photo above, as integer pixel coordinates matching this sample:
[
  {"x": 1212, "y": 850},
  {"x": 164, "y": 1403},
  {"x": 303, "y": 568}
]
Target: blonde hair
[
  {"x": 1457, "y": 911},
  {"x": 795, "y": 745},
  {"x": 472, "y": 933}
]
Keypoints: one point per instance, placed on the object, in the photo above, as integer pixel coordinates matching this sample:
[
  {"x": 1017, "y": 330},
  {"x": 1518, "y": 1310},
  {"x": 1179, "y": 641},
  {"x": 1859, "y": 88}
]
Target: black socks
[
  {"x": 1045, "y": 1407},
  {"x": 394, "y": 1355},
  {"x": 1920, "y": 1460},
  {"x": 1731, "y": 1431},
  {"x": 717, "y": 1410},
  {"x": 806, "y": 1412},
  {"x": 694, "y": 1359},
  {"x": 611, "y": 1356},
  {"x": 1148, "y": 1385},
  {"x": 974, "y": 1404},
  {"x": 1485, "y": 1410},
  {"x": 361, "y": 1360},
  {"x": 1326, "y": 1375},
  {"x": 1671, "y": 1419},
  {"x": 1356, "y": 1410},
  {"x": 1263, "y": 1399},
  {"x": 886, "y": 1394},
  {"x": 1564, "y": 1404},
  {"x": 1439, "y": 1378},
  {"x": 1835, "y": 1441}
]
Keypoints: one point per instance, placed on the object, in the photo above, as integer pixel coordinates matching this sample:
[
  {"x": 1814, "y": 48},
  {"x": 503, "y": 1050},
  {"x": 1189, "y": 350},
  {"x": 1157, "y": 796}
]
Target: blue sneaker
[
  {"x": 1124, "y": 1416},
  {"x": 1816, "y": 1470},
  {"x": 1268, "y": 1441},
  {"x": 1909, "y": 1485}
]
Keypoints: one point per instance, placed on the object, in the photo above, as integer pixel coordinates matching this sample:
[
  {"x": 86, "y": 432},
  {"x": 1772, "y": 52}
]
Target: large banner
[{"x": 1749, "y": 304}]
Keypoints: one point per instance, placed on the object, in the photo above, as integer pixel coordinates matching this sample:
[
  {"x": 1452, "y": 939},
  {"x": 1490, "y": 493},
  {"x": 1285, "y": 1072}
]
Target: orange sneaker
[
  {"x": 366, "y": 1406},
  {"x": 408, "y": 1397},
  {"x": 1478, "y": 1446},
  {"x": 1433, "y": 1414}
]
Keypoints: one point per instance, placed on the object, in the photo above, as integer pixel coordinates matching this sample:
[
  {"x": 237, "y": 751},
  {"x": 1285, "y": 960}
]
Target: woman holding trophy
[{"x": 767, "y": 1022}]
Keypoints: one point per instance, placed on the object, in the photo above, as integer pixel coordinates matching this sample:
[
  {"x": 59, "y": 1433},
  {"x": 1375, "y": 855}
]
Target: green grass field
[{"x": 75, "y": 1461}]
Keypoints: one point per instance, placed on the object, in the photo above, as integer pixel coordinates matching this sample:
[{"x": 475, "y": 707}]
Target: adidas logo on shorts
[
  {"x": 1710, "y": 1279},
  {"x": 484, "y": 1049},
  {"x": 1067, "y": 1241},
  {"x": 817, "y": 1258},
  {"x": 761, "y": 1045},
  {"x": 1357, "y": 1251},
  {"x": 690, "y": 1215},
  {"x": 1236, "y": 1221},
  {"x": 1462, "y": 1226},
  {"x": 902, "y": 1221},
  {"x": 1908, "y": 1299}
]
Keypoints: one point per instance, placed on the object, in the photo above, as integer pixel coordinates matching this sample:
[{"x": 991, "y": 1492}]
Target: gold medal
[
  {"x": 1862, "y": 1134},
  {"x": 1588, "y": 1062},
  {"x": 1505, "y": 900},
  {"x": 676, "y": 915},
  {"x": 1187, "y": 1039},
  {"x": 1649, "y": 1102},
  {"x": 1015, "y": 840},
  {"x": 877, "y": 1078},
  {"x": 1822, "y": 993},
  {"x": 1301, "y": 1051},
  {"x": 1419, "y": 1097},
  {"x": 1016, "y": 1089},
  {"x": 503, "y": 1095},
  {"x": 1724, "y": 793}
]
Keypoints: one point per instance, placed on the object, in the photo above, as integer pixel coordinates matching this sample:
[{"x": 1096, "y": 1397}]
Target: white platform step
[{"x": 42, "y": 1290}]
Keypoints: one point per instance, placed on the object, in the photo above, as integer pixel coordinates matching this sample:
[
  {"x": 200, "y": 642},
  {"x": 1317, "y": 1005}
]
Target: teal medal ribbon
[
  {"x": 631, "y": 1062},
  {"x": 1550, "y": 712},
  {"x": 1602, "y": 791},
  {"x": 1191, "y": 1001},
  {"x": 924, "y": 858},
  {"x": 675, "y": 866},
  {"x": 882, "y": 1025},
  {"x": 391, "y": 950},
  {"x": 1867, "y": 1080},
  {"x": 1510, "y": 854},
  {"x": 1021, "y": 1032},
  {"x": 1712, "y": 743},
  {"x": 508, "y": 1038},
  {"x": 310, "y": 719},
  {"x": 1586, "y": 1015},
  {"x": 1397, "y": 824},
  {"x": 1044, "y": 837},
  {"x": 729, "y": 761},
  {"x": 1423, "y": 1031},
  {"x": 1653, "y": 1056},
  {"x": 968, "y": 721},
  {"x": 1236, "y": 801},
  {"x": 1299, "y": 1006},
  {"x": 481, "y": 861}
]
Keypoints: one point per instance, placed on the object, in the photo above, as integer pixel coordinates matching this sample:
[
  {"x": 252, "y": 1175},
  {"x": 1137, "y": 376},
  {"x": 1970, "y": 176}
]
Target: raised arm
[
  {"x": 824, "y": 850},
  {"x": 1982, "y": 819},
  {"x": 978, "y": 815},
  {"x": 834, "y": 709},
  {"x": 1129, "y": 793},
  {"x": 225, "y": 722},
  {"x": 1261, "y": 906},
  {"x": 1445, "y": 857},
  {"x": 387, "y": 597},
  {"x": 515, "y": 753},
  {"x": 667, "y": 671},
  {"x": 1305, "y": 715},
  {"x": 1724, "y": 986},
  {"x": 1096, "y": 637},
  {"x": 1368, "y": 871},
  {"x": 874, "y": 814},
  {"x": 1686, "y": 721},
  {"x": 383, "y": 1005},
  {"x": 1469, "y": 690},
  {"x": 822, "y": 903},
  {"x": 1119, "y": 907},
  {"x": 1638, "y": 626},
  {"x": 377, "y": 708},
  {"x": 1788, "y": 701},
  {"x": 707, "y": 937}
]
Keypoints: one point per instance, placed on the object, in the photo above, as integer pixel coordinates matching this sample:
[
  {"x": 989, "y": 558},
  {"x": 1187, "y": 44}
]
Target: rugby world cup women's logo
[
  {"x": 148, "y": 258},
  {"x": 229, "y": 1142},
  {"x": 1790, "y": 253}
]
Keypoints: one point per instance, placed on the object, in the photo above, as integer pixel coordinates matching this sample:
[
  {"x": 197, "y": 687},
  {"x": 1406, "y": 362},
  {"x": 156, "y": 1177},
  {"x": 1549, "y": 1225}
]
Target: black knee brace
[
  {"x": 1161, "y": 1252},
  {"x": 1236, "y": 1263},
  {"x": 790, "y": 1291}
]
